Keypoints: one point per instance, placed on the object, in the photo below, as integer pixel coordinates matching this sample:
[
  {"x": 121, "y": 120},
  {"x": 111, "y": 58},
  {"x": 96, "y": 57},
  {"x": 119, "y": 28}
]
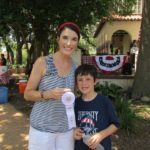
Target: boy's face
[{"x": 85, "y": 83}]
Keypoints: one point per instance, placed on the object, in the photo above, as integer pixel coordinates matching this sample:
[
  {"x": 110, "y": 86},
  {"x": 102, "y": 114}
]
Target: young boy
[{"x": 95, "y": 114}]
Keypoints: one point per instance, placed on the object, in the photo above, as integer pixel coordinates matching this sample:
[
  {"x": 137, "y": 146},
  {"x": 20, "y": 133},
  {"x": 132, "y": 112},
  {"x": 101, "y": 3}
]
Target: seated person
[{"x": 3, "y": 60}]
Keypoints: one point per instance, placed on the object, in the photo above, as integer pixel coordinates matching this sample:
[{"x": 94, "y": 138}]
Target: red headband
[{"x": 69, "y": 23}]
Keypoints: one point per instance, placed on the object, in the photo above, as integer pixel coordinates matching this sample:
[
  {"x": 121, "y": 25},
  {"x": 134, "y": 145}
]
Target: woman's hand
[
  {"x": 78, "y": 134},
  {"x": 55, "y": 93}
]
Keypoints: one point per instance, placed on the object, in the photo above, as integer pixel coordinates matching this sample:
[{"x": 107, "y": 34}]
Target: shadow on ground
[{"x": 14, "y": 127}]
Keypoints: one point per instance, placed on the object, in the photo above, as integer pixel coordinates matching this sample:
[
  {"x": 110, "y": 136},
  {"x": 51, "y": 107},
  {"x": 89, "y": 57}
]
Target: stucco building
[{"x": 118, "y": 32}]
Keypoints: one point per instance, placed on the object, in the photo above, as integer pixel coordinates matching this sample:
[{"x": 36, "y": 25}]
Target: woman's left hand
[
  {"x": 55, "y": 93},
  {"x": 78, "y": 134}
]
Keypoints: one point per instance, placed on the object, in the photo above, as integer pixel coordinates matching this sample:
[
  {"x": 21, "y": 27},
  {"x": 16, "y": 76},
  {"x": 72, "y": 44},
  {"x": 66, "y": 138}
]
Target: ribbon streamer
[{"x": 68, "y": 99}]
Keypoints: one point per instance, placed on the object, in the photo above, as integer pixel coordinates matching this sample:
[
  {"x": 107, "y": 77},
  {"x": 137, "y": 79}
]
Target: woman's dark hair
[
  {"x": 86, "y": 69},
  {"x": 71, "y": 26}
]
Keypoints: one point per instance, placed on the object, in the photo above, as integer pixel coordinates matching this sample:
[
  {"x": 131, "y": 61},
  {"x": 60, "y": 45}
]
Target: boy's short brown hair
[{"x": 86, "y": 69}]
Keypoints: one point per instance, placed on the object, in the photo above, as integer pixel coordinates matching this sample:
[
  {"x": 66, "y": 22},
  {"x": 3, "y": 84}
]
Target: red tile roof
[
  {"x": 128, "y": 18},
  {"x": 134, "y": 17}
]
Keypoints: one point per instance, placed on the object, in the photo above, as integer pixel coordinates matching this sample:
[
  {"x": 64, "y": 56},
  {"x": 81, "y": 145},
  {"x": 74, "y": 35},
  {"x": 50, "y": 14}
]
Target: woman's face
[{"x": 67, "y": 41}]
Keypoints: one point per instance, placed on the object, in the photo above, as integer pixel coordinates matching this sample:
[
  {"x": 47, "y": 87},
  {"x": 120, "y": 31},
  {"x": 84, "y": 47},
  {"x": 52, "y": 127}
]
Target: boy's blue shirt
[{"x": 94, "y": 116}]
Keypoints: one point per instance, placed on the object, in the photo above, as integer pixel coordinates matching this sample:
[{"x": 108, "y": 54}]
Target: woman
[{"x": 52, "y": 75}]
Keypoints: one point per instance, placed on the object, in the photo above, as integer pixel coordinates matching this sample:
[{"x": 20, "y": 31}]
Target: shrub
[
  {"x": 110, "y": 90},
  {"x": 126, "y": 114}
]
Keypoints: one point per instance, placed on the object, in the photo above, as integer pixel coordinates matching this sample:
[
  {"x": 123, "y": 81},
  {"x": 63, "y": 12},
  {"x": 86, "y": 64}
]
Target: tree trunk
[
  {"x": 19, "y": 53},
  {"x": 37, "y": 50},
  {"x": 10, "y": 53},
  {"x": 40, "y": 40},
  {"x": 30, "y": 59},
  {"x": 11, "y": 56},
  {"x": 141, "y": 85}
]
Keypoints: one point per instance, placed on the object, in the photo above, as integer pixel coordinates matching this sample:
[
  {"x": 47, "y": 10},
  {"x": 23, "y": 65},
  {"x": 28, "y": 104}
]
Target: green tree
[{"x": 36, "y": 21}]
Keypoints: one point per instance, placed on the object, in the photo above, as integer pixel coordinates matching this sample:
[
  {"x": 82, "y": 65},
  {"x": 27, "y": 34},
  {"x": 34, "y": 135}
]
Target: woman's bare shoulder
[
  {"x": 40, "y": 60},
  {"x": 40, "y": 64}
]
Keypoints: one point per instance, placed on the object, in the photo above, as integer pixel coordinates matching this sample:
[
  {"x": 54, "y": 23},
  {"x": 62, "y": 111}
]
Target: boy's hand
[
  {"x": 78, "y": 134},
  {"x": 94, "y": 140}
]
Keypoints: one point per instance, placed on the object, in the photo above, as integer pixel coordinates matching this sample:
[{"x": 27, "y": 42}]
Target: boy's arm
[{"x": 108, "y": 131}]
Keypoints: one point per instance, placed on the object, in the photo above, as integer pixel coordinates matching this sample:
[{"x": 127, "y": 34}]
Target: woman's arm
[
  {"x": 39, "y": 68},
  {"x": 32, "y": 94}
]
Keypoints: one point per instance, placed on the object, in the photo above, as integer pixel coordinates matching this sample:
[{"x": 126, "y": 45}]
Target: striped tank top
[{"x": 50, "y": 115}]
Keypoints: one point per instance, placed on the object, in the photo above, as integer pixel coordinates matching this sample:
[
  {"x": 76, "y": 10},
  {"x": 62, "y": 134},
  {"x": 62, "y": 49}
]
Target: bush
[
  {"x": 126, "y": 114},
  {"x": 110, "y": 90}
]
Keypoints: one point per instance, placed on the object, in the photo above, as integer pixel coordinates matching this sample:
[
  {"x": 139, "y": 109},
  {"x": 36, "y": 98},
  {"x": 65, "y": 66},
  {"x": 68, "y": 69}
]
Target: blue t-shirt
[{"x": 94, "y": 116}]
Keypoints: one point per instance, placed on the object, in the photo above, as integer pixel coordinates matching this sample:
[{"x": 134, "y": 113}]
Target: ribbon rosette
[{"x": 68, "y": 99}]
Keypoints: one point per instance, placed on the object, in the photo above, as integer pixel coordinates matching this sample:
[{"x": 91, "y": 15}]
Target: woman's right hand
[{"x": 55, "y": 93}]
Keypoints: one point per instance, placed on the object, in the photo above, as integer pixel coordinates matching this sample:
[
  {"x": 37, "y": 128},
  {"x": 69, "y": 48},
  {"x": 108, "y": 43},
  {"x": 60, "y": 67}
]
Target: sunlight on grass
[
  {"x": 25, "y": 137},
  {"x": 4, "y": 121},
  {"x": 8, "y": 147},
  {"x": 1, "y": 109},
  {"x": 144, "y": 115},
  {"x": 18, "y": 114},
  {"x": 115, "y": 148},
  {"x": 3, "y": 113},
  {"x": 142, "y": 110},
  {"x": 2, "y": 137}
]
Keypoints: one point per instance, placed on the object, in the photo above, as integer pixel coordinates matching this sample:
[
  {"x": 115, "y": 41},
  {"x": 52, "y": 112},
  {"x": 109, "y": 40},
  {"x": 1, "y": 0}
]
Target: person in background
[
  {"x": 117, "y": 51},
  {"x": 127, "y": 67},
  {"x": 95, "y": 115},
  {"x": 134, "y": 53},
  {"x": 3, "y": 61},
  {"x": 50, "y": 78}
]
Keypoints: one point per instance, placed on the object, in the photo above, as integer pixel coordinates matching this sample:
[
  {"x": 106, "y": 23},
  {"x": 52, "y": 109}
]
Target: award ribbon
[{"x": 68, "y": 99}]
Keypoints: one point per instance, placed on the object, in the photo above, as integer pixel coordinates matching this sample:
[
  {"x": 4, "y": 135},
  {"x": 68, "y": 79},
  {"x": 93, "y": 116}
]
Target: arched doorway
[{"x": 121, "y": 41}]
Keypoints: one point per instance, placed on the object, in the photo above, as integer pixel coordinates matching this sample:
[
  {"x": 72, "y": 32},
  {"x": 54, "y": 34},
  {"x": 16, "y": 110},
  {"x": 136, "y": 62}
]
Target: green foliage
[
  {"x": 40, "y": 15},
  {"x": 141, "y": 109},
  {"x": 107, "y": 89},
  {"x": 87, "y": 41},
  {"x": 24, "y": 57},
  {"x": 124, "y": 7},
  {"x": 122, "y": 104},
  {"x": 126, "y": 114},
  {"x": 16, "y": 66},
  {"x": 36, "y": 21}
]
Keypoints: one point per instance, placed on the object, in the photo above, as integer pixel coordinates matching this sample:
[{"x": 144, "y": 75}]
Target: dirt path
[{"x": 14, "y": 127}]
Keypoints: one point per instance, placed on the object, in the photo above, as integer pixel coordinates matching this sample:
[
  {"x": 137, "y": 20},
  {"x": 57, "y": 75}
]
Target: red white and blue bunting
[{"x": 110, "y": 63}]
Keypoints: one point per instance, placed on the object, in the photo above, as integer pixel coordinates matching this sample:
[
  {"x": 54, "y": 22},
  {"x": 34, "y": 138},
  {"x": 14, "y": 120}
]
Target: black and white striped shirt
[{"x": 50, "y": 115}]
